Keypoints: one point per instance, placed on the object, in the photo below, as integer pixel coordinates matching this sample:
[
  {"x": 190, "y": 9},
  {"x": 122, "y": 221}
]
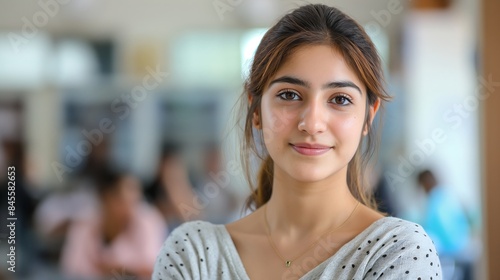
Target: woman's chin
[{"x": 310, "y": 176}]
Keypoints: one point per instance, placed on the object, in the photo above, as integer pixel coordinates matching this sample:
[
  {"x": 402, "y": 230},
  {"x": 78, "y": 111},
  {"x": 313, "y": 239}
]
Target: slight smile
[{"x": 308, "y": 149}]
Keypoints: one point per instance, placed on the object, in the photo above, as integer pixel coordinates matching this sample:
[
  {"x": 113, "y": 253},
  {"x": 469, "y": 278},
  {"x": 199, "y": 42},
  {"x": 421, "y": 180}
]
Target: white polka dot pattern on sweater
[{"x": 390, "y": 248}]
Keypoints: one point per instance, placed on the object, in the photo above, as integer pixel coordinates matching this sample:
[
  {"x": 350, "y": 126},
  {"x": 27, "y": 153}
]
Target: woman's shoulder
[
  {"x": 406, "y": 230},
  {"x": 195, "y": 235},
  {"x": 202, "y": 228},
  {"x": 390, "y": 247},
  {"x": 396, "y": 223},
  {"x": 190, "y": 249},
  {"x": 392, "y": 232},
  {"x": 400, "y": 247}
]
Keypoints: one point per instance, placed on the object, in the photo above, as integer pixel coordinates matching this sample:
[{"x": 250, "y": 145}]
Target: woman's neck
[{"x": 299, "y": 209}]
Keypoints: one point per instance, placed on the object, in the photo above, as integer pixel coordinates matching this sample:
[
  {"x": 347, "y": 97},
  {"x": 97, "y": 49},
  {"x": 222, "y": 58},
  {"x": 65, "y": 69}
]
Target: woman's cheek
[
  {"x": 270, "y": 126},
  {"x": 286, "y": 115},
  {"x": 277, "y": 119},
  {"x": 348, "y": 130}
]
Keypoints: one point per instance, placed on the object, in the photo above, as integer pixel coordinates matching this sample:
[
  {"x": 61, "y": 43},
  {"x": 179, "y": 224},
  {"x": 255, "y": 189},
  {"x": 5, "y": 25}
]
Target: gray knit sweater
[{"x": 390, "y": 248}]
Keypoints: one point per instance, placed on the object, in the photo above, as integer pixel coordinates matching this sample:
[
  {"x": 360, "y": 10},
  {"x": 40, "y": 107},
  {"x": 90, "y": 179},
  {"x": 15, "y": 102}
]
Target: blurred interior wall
[
  {"x": 491, "y": 134},
  {"x": 438, "y": 42}
]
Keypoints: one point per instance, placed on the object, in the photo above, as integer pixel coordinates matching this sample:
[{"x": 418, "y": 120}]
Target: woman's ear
[
  {"x": 255, "y": 115},
  {"x": 371, "y": 115},
  {"x": 256, "y": 120}
]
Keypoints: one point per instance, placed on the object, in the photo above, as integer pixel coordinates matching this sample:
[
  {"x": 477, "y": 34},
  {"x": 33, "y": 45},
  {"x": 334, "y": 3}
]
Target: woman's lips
[{"x": 310, "y": 149}]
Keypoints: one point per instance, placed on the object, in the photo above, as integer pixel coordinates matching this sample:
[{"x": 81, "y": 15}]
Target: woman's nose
[{"x": 313, "y": 118}]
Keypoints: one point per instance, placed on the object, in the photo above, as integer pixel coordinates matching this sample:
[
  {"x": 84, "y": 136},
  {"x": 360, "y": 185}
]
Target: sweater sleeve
[
  {"x": 177, "y": 256},
  {"x": 192, "y": 251},
  {"x": 409, "y": 254}
]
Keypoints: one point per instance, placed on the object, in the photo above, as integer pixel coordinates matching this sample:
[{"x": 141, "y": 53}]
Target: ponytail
[
  {"x": 264, "y": 189},
  {"x": 356, "y": 181}
]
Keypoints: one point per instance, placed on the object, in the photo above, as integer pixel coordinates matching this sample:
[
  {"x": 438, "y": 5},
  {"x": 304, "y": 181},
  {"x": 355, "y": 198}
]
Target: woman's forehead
[{"x": 317, "y": 65}]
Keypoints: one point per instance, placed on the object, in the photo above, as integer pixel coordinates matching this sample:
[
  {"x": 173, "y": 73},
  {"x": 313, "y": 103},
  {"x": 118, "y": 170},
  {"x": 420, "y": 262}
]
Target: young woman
[{"x": 313, "y": 91}]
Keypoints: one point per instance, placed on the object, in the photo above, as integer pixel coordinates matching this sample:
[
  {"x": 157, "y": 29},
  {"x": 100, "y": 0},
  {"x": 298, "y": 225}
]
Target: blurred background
[{"x": 119, "y": 120}]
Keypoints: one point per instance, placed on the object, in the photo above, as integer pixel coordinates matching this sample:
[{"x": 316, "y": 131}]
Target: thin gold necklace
[{"x": 288, "y": 262}]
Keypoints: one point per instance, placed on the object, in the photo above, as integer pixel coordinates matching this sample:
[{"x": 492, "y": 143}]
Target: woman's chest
[{"x": 261, "y": 261}]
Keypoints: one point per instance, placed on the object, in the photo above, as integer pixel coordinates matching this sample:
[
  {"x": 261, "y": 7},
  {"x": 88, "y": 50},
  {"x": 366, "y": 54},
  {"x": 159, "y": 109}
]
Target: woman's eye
[
  {"x": 289, "y": 95},
  {"x": 341, "y": 100}
]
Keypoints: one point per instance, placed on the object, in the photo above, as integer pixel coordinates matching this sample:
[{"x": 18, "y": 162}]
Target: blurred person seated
[
  {"x": 121, "y": 238},
  {"x": 59, "y": 209},
  {"x": 72, "y": 201},
  {"x": 171, "y": 190},
  {"x": 76, "y": 198},
  {"x": 446, "y": 222}
]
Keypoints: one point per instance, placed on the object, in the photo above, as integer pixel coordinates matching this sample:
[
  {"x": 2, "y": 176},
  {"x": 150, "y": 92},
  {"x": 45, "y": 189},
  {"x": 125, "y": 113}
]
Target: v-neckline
[{"x": 230, "y": 248}]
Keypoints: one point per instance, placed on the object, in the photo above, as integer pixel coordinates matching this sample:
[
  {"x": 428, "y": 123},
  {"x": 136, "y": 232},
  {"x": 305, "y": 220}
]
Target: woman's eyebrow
[
  {"x": 291, "y": 80},
  {"x": 299, "y": 82},
  {"x": 342, "y": 84}
]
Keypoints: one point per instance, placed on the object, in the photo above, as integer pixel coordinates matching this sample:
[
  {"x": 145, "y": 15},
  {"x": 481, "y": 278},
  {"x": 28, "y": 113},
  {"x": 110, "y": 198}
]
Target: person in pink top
[{"x": 122, "y": 238}]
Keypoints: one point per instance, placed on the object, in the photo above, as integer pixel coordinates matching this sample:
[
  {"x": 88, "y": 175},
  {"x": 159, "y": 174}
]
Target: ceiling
[{"x": 155, "y": 17}]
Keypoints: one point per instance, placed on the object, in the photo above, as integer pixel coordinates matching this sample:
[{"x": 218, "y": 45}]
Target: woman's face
[{"x": 312, "y": 114}]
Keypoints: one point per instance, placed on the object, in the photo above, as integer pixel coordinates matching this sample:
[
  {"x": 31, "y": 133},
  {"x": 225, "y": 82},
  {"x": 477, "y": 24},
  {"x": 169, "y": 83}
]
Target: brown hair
[{"x": 310, "y": 25}]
